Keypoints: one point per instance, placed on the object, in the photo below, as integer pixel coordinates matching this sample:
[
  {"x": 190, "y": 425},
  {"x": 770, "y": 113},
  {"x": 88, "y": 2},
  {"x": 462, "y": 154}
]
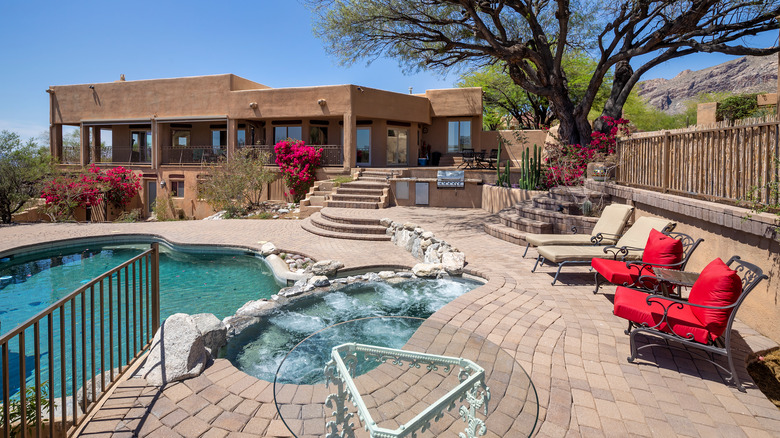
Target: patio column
[
  {"x": 96, "y": 150},
  {"x": 350, "y": 141},
  {"x": 84, "y": 145},
  {"x": 232, "y": 137},
  {"x": 55, "y": 142},
  {"x": 156, "y": 158}
]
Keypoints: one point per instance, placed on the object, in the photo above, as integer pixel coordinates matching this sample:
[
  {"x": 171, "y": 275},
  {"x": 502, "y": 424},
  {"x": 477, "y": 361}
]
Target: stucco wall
[{"x": 726, "y": 231}]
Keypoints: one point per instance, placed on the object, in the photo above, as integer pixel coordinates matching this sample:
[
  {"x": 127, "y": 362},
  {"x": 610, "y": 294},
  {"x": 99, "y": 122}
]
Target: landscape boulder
[
  {"x": 453, "y": 262},
  {"x": 213, "y": 330},
  {"x": 267, "y": 249},
  {"x": 427, "y": 270},
  {"x": 177, "y": 352},
  {"x": 326, "y": 267}
]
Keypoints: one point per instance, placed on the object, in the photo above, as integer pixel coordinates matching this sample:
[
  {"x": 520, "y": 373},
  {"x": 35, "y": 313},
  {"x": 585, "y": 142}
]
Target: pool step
[{"x": 331, "y": 225}]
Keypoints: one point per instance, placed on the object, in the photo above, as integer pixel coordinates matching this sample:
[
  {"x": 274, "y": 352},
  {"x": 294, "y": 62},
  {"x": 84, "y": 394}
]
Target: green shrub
[{"x": 737, "y": 107}]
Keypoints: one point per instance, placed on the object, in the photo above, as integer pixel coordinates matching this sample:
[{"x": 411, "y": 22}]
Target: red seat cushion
[
  {"x": 615, "y": 271},
  {"x": 717, "y": 285},
  {"x": 632, "y": 305},
  {"x": 662, "y": 249}
]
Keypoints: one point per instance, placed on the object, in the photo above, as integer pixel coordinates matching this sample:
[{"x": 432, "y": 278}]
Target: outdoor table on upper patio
[
  {"x": 675, "y": 278},
  {"x": 442, "y": 381}
]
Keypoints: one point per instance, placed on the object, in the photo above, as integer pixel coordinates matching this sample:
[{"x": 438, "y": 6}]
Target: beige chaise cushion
[
  {"x": 611, "y": 223},
  {"x": 635, "y": 237}
]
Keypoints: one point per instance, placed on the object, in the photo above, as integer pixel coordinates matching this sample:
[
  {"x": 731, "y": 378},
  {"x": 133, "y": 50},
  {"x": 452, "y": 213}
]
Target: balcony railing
[
  {"x": 87, "y": 340},
  {"x": 332, "y": 154},
  {"x": 193, "y": 154}
]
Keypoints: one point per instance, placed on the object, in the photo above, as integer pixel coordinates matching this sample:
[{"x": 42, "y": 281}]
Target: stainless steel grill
[{"x": 450, "y": 178}]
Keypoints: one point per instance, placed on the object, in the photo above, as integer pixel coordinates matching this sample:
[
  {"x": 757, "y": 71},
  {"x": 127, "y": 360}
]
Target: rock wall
[{"x": 437, "y": 254}]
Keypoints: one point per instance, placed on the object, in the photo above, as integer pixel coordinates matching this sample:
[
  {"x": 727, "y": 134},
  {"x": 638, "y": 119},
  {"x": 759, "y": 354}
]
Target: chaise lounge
[
  {"x": 629, "y": 247},
  {"x": 702, "y": 322},
  {"x": 606, "y": 231}
]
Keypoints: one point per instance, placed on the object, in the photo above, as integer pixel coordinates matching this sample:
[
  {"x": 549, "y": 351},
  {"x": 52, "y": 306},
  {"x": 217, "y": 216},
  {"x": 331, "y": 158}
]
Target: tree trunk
[
  {"x": 574, "y": 128},
  {"x": 617, "y": 96}
]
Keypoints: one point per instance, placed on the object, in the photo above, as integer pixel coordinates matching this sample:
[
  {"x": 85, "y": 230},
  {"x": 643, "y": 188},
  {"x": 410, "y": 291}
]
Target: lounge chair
[
  {"x": 629, "y": 247},
  {"x": 606, "y": 231},
  {"x": 702, "y": 322},
  {"x": 669, "y": 251}
]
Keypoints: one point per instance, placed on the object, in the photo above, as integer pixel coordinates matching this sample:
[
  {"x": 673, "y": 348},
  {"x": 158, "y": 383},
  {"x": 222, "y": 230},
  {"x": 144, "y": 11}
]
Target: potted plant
[{"x": 422, "y": 159}]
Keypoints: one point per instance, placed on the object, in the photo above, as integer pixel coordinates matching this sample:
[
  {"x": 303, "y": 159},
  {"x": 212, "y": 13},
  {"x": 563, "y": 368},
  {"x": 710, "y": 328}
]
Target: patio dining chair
[
  {"x": 703, "y": 322},
  {"x": 468, "y": 158},
  {"x": 669, "y": 251},
  {"x": 606, "y": 231},
  {"x": 492, "y": 159},
  {"x": 629, "y": 247}
]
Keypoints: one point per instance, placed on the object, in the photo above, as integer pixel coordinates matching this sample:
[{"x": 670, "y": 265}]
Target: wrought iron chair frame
[
  {"x": 751, "y": 276},
  {"x": 689, "y": 246},
  {"x": 469, "y": 158}
]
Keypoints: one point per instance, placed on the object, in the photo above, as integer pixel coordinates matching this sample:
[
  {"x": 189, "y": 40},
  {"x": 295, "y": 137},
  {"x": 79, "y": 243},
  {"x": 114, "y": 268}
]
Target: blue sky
[{"x": 73, "y": 42}]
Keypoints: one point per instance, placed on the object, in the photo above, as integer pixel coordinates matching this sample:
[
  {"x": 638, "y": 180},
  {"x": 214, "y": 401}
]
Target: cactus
[
  {"x": 531, "y": 169},
  {"x": 502, "y": 180},
  {"x": 587, "y": 207}
]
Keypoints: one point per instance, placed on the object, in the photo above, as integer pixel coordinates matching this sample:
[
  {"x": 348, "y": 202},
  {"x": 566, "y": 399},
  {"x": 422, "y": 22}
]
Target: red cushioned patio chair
[
  {"x": 703, "y": 322},
  {"x": 669, "y": 251}
]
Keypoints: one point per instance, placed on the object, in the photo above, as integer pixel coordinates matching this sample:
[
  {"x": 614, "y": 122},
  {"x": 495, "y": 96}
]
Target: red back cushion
[
  {"x": 717, "y": 285},
  {"x": 662, "y": 249}
]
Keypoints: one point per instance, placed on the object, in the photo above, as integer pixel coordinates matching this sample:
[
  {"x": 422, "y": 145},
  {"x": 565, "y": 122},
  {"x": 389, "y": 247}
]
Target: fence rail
[
  {"x": 102, "y": 328},
  {"x": 726, "y": 163},
  {"x": 332, "y": 154}
]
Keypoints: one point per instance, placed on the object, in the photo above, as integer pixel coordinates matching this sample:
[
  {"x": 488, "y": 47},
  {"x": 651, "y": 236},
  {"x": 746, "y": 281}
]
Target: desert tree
[
  {"x": 23, "y": 166},
  {"x": 531, "y": 37}
]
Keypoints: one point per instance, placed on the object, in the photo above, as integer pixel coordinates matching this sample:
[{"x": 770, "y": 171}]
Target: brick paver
[{"x": 563, "y": 336}]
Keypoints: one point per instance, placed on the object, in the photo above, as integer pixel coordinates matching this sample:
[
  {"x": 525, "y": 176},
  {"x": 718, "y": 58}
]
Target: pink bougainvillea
[
  {"x": 567, "y": 164},
  {"x": 64, "y": 194},
  {"x": 297, "y": 163}
]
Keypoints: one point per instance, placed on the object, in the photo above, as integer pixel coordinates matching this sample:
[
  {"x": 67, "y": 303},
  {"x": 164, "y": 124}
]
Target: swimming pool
[
  {"x": 260, "y": 349},
  {"x": 201, "y": 279}
]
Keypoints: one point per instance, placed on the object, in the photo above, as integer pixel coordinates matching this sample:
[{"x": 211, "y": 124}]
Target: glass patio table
[{"x": 401, "y": 377}]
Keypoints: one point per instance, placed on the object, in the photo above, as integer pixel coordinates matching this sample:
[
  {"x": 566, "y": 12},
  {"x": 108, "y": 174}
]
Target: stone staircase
[
  {"x": 555, "y": 212},
  {"x": 330, "y": 222},
  {"x": 370, "y": 190}
]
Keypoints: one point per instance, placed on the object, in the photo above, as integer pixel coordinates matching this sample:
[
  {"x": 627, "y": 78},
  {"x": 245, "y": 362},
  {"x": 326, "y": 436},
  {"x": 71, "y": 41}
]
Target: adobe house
[{"x": 168, "y": 129}]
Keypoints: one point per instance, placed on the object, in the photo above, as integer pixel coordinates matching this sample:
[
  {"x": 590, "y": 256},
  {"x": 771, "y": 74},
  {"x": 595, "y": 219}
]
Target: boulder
[
  {"x": 385, "y": 222},
  {"x": 326, "y": 267},
  {"x": 319, "y": 281},
  {"x": 213, "y": 330},
  {"x": 427, "y": 270},
  {"x": 177, "y": 352},
  {"x": 384, "y": 275},
  {"x": 268, "y": 248},
  {"x": 410, "y": 226},
  {"x": 254, "y": 308},
  {"x": 453, "y": 262}
]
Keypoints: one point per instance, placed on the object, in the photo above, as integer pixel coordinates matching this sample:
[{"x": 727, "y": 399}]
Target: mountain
[{"x": 750, "y": 74}]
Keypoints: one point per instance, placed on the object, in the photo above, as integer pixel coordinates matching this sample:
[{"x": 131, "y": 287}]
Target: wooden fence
[{"x": 719, "y": 163}]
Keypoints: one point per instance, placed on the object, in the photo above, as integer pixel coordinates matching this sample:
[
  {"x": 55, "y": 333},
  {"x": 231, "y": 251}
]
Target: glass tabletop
[{"x": 395, "y": 376}]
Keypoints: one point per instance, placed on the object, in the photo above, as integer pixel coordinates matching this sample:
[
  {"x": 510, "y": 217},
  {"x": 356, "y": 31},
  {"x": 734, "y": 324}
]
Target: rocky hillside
[{"x": 744, "y": 75}]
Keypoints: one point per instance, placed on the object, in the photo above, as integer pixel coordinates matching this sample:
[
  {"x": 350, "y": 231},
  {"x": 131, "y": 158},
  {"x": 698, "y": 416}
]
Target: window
[
  {"x": 219, "y": 137},
  {"x": 318, "y": 135},
  {"x": 181, "y": 138},
  {"x": 363, "y": 146},
  {"x": 397, "y": 146},
  {"x": 177, "y": 189},
  {"x": 285, "y": 132},
  {"x": 241, "y": 137},
  {"x": 141, "y": 146},
  {"x": 458, "y": 135}
]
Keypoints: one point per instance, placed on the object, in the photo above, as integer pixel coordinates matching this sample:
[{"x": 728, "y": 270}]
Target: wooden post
[{"x": 665, "y": 157}]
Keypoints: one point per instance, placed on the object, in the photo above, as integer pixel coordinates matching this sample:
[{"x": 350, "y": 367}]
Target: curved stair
[
  {"x": 555, "y": 212},
  {"x": 328, "y": 224}
]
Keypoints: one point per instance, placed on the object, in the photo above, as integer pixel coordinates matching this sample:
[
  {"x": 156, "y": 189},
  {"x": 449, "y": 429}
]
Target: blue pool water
[
  {"x": 217, "y": 281},
  {"x": 190, "y": 282},
  {"x": 260, "y": 349}
]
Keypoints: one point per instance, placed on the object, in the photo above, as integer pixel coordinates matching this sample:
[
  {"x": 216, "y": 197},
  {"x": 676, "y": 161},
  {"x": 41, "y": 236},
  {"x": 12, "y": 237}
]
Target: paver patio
[{"x": 564, "y": 336}]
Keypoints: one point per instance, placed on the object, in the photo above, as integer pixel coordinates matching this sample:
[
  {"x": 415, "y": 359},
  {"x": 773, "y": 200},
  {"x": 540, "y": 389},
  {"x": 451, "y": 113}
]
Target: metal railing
[
  {"x": 98, "y": 330},
  {"x": 193, "y": 154},
  {"x": 332, "y": 154}
]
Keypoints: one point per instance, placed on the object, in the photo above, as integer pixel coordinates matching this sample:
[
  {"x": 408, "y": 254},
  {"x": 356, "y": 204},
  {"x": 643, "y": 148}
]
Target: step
[
  {"x": 552, "y": 204},
  {"x": 348, "y": 228},
  {"x": 316, "y": 201},
  {"x": 308, "y": 226},
  {"x": 503, "y": 232},
  {"x": 365, "y": 185},
  {"x": 352, "y": 204},
  {"x": 377, "y": 174},
  {"x": 349, "y": 197},
  {"x": 562, "y": 223},
  {"x": 378, "y": 180},
  {"x": 351, "y": 191},
  {"x": 577, "y": 195},
  {"x": 334, "y": 217},
  {"x": 510, "y": 218}
]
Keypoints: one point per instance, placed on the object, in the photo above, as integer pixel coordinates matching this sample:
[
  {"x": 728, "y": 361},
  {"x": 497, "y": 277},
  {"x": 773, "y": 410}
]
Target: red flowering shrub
[
  {"x": 65, "y": 193},
  {"x": 297, "y": 163},
  {"x": 567, "y": 164}
]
